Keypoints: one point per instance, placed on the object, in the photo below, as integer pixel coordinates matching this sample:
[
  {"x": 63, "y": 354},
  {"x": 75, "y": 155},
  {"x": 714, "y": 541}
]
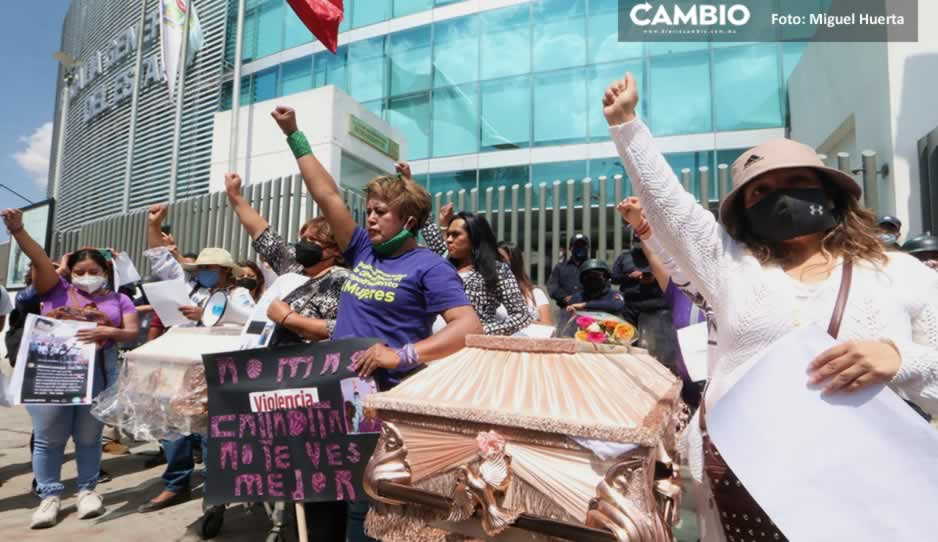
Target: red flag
[{"x": 322, "y": 18}]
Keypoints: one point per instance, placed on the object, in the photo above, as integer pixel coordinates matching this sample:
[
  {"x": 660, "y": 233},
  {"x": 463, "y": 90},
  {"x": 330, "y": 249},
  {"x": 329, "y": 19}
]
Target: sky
[{"x": 30, "y": 33}]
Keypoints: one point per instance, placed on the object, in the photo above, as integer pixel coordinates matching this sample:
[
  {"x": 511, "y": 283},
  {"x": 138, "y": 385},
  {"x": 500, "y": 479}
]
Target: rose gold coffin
[{"x": 496, "y": 442}]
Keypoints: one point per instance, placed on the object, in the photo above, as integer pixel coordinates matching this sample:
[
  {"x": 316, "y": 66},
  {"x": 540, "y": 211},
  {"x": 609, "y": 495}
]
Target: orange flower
[
  {"x": 609, "y": 325},
  {"x": 581, "y": 335},
  {"x": 624, "y": 332}
]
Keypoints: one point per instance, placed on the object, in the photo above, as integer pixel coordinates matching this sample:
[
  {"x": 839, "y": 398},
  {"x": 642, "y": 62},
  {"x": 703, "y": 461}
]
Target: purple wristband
[{"x": 408, "y": 356}]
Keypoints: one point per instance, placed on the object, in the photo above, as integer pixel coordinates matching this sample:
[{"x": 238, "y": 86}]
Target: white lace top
[{"x": 756, "y": 304}]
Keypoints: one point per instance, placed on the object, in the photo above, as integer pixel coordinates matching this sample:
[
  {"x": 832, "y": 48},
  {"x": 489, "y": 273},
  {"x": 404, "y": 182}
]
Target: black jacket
[{"x": 564, "y": 281}]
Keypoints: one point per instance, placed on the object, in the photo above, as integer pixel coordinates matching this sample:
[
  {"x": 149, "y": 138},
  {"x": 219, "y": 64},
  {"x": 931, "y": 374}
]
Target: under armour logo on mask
[{"x": 817, "y": 210}]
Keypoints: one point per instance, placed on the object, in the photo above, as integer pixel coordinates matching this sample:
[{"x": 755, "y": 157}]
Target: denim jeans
[
  {"x": 52, "y": 427},
  {"x": 179, "y": 462}
]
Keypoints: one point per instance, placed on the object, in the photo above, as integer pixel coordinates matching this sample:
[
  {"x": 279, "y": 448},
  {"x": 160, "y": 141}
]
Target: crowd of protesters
[{"x": 785, "y": 237}]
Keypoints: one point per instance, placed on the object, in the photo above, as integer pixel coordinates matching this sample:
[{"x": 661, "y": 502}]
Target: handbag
[{"x": 739, "y": 512}]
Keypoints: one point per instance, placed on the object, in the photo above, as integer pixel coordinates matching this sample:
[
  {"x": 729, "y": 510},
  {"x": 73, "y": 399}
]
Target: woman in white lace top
[{"x": 773, "y": 262}]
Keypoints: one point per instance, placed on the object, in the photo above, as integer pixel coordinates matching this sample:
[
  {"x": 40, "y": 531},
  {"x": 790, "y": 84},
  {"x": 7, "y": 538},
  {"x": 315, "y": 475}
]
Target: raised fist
[
  {"x": 13, "y": 219},
  {"x": 446, "y": 215},
  {"x": 403, "y": 169},
  {"x": 233, "y": 184},
  {"x": 631, "y": 211},
  {"x": 620, "y": 100},
  {"x": 157, "y": 213},
  {"x": 286, "y": 119}
]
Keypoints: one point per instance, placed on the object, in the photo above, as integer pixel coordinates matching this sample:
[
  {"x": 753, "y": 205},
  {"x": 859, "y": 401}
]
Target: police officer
[
  {"x": 925, "y": 248},
  {"x": 564, "y": 280},
  {"x": 596, "y": 294},
  {"x": 890, "y": 230}
]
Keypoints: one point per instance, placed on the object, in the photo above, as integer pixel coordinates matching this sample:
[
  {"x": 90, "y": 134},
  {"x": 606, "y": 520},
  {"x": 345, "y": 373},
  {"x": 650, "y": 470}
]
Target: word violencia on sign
[{"x": 103, "y": 97}]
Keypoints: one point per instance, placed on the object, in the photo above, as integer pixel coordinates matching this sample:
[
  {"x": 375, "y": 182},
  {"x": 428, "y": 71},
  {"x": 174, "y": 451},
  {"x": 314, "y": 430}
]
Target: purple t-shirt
[
  {"x": 683, "y": 313},
  {"x": 113, "y": 304},
  {"x": 394, "y": 299}
]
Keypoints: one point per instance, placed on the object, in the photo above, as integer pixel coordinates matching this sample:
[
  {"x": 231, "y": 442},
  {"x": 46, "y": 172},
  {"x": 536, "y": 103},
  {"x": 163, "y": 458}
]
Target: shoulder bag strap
[{"x": 834, "y": 328}]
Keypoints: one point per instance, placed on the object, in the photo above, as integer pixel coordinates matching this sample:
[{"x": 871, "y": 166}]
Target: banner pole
[
  {"x": 180, "y": 90},
  {"x": 301, "y": 522}
]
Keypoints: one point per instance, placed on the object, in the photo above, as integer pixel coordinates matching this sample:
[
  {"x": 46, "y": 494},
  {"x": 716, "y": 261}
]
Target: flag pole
[
  {"x": 177, "y": 125},
  {"x": 236, "y": 95},
  {"x": 134, "y": 105}
]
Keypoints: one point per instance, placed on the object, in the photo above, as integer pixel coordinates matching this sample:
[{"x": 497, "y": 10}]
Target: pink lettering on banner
[
  {"x": 331, "y": 364},
  {"x": 313, "y": 453},
  {"x": 217, "y": 421},
  {"x": 354, "y": 359},
  {"x": 268, "y": 425},
  {"x": 282, "y": 457},
  {"x": 225, "y": 366},
  {"x": 319, "y": 482},
  {"x": 255, "y": 368},
  {"x": 336, "y": 422},
  {"x": 298, "y": 493},
  {"x": 322, "y": 425},
  {"x": 354, "y": 456},
  {"x": 334, "y": 453},
  {"x": 247, "y": 453},
  {"x": 268, "y": 458},
  {"x": 280, "y": 425},
  {"x": 297, "y": 422},
  {"x": 311, "y": 416},
  {"x": 247, "y": 421},
  {"x": 343, "y": 479},
  {"x": 294, "y": 365},
  {"x": 229, "y": 451},
  {"x": 253, "y": 484},
  {"x": 275, "y": 484}
]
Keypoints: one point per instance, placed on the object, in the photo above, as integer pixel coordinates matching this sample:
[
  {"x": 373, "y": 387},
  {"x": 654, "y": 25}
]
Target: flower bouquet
[{"x": 605, "y": 331}]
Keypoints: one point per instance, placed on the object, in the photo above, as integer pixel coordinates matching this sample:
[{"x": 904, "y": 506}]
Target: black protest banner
[{"x": 286, "y": 424}]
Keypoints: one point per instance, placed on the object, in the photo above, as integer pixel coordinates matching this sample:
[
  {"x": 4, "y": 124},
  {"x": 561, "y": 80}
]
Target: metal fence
[{"x": 539, "y": 218}]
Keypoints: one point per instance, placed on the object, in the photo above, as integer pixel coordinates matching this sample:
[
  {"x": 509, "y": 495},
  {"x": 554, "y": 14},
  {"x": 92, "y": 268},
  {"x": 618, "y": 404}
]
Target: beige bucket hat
[
  {"x": 780, "y": 154},
  {"x": 214, "y": 256}
]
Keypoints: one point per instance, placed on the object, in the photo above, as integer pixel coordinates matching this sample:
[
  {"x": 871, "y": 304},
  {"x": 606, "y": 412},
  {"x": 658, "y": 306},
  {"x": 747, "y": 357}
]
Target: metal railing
[{"x": 539, "y": 218}]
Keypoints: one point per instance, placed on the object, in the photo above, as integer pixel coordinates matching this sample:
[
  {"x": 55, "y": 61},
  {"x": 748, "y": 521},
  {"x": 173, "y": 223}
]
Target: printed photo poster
[
  {"x": 358, "y": 419},
  {"x": 287, "y": 423},
  {"x": 52, "y": 366}
]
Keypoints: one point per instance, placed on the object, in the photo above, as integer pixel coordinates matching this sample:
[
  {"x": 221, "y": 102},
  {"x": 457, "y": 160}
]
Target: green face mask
[{"x": 393, "y": 244}]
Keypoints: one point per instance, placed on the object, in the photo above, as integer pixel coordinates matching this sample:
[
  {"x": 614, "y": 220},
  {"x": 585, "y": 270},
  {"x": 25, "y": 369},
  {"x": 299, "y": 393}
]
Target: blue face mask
[{"x": 207, "y": 277}]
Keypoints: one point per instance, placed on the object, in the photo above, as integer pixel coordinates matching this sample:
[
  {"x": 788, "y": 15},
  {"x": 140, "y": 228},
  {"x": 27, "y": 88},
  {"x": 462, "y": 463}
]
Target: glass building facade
[{"x": 520, "y": 77}]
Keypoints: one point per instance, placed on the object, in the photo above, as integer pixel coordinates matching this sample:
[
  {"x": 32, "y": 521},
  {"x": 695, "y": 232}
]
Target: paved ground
[{"x": 132, "y": 485}]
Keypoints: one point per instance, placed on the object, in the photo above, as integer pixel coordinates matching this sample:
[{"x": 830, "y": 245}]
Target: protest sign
[
  {"x": 287, "y": 424},
  {"x": 52, "y": 366}
]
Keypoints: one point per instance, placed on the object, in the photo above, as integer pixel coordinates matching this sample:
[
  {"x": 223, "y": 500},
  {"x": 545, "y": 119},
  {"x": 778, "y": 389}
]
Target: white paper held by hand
[
  {"x": 858, "y": 467},
  {"x": 694, "y": 347},
  {"x": 166, "y": 297},
  {"x": 124, "y": 269}
]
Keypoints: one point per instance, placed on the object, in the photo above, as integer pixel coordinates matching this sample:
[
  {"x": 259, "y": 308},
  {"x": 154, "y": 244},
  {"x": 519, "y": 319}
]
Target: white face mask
[{"x": 89, "y": 283}]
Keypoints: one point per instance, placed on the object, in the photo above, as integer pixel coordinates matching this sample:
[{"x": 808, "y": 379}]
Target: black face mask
[
  {"x": 790, "y": 213},
  {"x": 593, "y": 284},
  {"x": 580, "y": 253},
  {"x": 248, "y": 283},
  {"x": 308, "y": 253}
]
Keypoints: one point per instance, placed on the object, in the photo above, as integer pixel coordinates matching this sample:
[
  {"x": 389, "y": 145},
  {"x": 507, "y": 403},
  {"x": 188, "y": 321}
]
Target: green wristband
[{"x": 299, "y": 145}]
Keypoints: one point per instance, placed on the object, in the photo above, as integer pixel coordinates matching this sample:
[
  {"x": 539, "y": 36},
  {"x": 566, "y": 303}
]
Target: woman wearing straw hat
[
  {"x": 214, "y": 270},
  {"x": 791, "y": 234}
]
